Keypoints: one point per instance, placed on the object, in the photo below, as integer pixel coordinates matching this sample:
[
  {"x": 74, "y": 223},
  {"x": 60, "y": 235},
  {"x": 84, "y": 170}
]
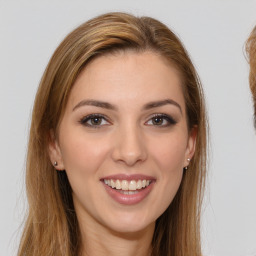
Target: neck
[{"x": 99, "y": 240}]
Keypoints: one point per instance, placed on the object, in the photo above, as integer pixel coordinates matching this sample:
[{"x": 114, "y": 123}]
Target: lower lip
[{"x": 129, "y": 199}]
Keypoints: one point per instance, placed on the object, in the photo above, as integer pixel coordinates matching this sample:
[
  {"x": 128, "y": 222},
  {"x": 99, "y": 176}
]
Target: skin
[{"x": 128, "y": 140}]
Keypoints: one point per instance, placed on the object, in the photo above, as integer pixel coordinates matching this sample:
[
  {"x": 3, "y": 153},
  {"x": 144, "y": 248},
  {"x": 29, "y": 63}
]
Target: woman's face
[{"x": 123, "y": 140}]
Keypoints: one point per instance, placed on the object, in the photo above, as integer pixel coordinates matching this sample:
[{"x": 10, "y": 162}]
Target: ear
[
  {"x": 191, "y": 146},
  {"x": 55, "y": 152}
]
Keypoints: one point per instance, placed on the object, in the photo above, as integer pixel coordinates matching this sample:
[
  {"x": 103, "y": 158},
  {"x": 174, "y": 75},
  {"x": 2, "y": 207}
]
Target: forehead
[{"x": 126, "y": 77}]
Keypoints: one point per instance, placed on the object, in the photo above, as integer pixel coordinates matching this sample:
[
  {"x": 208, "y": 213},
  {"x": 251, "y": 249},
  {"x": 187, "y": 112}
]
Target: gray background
[{"x": 213, "y": 32}]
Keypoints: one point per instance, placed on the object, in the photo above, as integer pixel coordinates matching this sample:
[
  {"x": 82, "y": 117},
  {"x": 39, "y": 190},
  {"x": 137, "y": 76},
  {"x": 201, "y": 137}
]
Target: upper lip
[{"x": 128, "y": 177}]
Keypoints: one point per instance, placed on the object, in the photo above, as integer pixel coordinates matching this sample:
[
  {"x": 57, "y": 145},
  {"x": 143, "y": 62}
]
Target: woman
[
  {"x": 117, "y": 152},
  {"x": 251, "y": 51}
]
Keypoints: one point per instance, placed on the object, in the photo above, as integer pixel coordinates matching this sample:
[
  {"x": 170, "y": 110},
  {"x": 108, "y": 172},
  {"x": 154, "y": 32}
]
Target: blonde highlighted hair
[
  {"x": 251, "y": 52},
  {"x": 51, "y": 227}
]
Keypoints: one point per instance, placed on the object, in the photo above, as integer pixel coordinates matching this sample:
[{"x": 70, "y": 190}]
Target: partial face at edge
[{"x": 124, "y": 127}]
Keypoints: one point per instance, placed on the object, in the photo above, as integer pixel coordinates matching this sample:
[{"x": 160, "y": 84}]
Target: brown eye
[
  {"x": 157, "y": 120},
  {"x": 94, "y": 121},
  {"x": 161, "y": 120}
]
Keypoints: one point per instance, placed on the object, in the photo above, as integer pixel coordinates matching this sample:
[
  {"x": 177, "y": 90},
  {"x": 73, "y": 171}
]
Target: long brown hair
[
  {"x": 251, "y": 52},
  {"x": 52, "y": 227}
]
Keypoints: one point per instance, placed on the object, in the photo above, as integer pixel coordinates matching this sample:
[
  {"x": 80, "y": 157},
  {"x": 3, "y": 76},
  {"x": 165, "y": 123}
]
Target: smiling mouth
[{"x": 127, "y": 187}]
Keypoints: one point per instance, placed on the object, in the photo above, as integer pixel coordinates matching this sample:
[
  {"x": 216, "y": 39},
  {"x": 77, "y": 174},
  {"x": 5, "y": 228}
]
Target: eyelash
[
  {"x": 169, "y": 119},
  {"x": 84, "y": 121}
]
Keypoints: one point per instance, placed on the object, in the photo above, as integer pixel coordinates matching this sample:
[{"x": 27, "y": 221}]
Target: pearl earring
[{"x": 186, "y": 167}]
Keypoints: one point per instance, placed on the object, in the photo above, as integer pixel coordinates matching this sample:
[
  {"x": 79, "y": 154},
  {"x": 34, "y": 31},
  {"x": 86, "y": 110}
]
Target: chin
[{"x": 130, "y": 223}]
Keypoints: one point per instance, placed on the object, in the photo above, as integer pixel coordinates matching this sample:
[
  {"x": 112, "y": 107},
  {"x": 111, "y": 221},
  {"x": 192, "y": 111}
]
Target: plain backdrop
[{"x": 213, "y": 32}]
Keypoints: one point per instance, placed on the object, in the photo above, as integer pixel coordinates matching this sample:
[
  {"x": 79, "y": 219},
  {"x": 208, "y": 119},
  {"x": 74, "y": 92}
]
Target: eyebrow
[
  {"x": 155, "y": 104},
  {"x": 106, "y": 105},
  {"x": 95, "y": 103}
]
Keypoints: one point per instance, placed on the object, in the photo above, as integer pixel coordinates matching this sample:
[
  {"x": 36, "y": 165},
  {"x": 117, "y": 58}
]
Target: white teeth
[
  {"x": 139, "y": 186},
  {"x": 132, "y": 185},
  {"x": 118, "y": 184},
  {"x": 125, "y": 185}
]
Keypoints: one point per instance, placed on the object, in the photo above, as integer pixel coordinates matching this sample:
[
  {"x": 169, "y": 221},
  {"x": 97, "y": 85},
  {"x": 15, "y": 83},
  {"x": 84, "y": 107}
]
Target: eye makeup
[
  {"x": 94, "y": 120},
  {"x": 161, "y": 120}
]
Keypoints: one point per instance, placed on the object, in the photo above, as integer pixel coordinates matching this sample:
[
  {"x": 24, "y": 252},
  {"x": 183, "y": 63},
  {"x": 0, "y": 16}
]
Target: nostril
[{"x": 129, "y": 146}]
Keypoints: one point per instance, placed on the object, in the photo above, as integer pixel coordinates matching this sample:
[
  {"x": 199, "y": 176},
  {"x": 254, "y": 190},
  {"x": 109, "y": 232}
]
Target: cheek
[
  {"x": 169, "y": 153},
  {"x": 81, "y": 152}
]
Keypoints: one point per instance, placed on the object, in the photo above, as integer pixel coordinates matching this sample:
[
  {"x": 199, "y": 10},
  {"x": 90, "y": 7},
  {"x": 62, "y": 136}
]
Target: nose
[{"x": 129, "y": 146}]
